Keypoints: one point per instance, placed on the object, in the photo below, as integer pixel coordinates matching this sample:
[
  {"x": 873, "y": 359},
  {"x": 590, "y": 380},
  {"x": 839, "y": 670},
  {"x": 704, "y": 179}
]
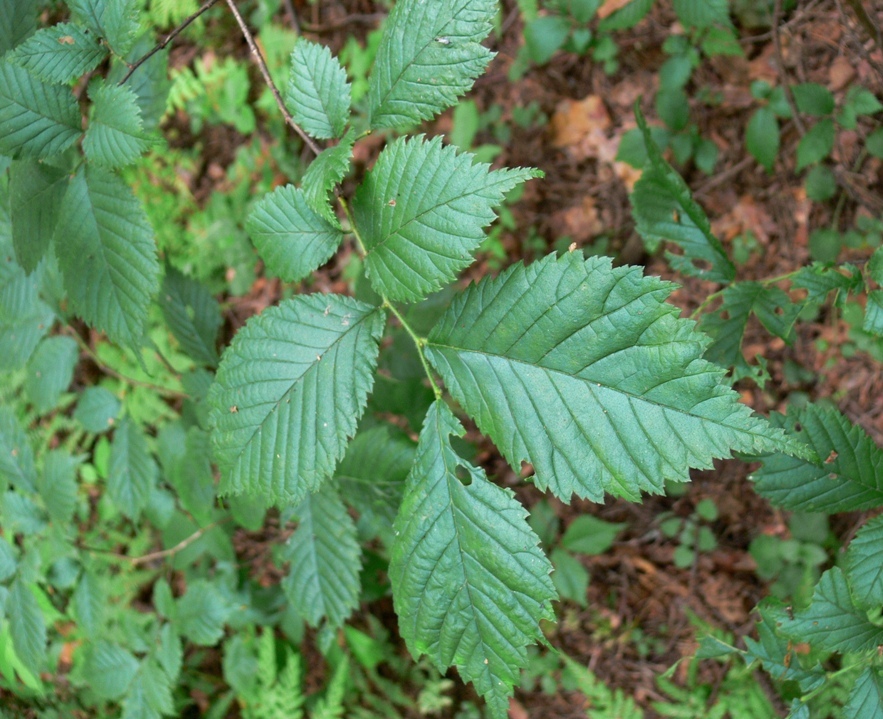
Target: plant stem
[{"x": 265, "y": 72}]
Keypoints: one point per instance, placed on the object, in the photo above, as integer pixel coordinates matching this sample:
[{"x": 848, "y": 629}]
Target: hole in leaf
[{"x": 463, "y": 475}]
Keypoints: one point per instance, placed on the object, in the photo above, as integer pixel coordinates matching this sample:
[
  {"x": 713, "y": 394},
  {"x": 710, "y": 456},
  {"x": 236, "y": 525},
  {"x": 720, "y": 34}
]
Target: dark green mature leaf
[
  {"x": 119, "y": 22},
  {"x": 326, "y": 171},
  {"x": 664, "y": 210},
  {"x": 97, "y": 409},
  {"x": 132, "y": 471},
  {"x": 470, "y": 584},
  {"x": 36, "y": 119},
  {"x": 289, "y": 393},
  {"x": 421, "y": 212},
  {"x": 864, "y": 564},
  {"x": 848, "y": 476},
  {"x": 873, "y": 321},
  {"x": 866, "y": 698},
  {"x": 36, "y": 191},
  {"x": 290, "y": 236},
  {"x": 819, "y": 280},
  {"x": 702, "y": 13},
  {"x": 150, "y": 82},
  {"x": 59, "y": 54},
  {"x": 813, "y": 99},
  {"x": 429, "y": 55},
  {"x": 192, "y": 314},
  {"x": 50, "y": 371},
  {"x": 832, "y": 622},
  {"x": 107, "y": 254},
  {"x": 762, "y": 137},
  {"x": 115, "y": 136},
  {"x": 323, "y": 582},
  {"x": 201, "y": 614},
  {"x": 318, "y": 93},
  {"x": 16, "y": 455},
  {"x": 17, "y": 21},
  {"x": 26, "y": 625},
  {"x": 57, "y": 485},
  {"x": 816, "y": 144},
  {"x": 584, "y": 371},
  {"x": 89, "y": 12},
  {"x": 108, "y": 669}
]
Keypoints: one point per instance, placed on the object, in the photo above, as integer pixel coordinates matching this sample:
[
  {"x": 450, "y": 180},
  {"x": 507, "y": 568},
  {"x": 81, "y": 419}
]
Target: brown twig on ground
[
  {"x": 265, "y": 73},
  {"x": 866, "y": 21},
  {"x": 168, "y": 38}
]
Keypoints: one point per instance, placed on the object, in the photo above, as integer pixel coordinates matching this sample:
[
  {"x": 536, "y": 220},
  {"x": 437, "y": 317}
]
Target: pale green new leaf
[
  {"x": 107, "y": 254},
  {"x": 57, "y": 485},
  {"x": 832, "y": 622},
  {"x": 17, "y": 21},
  {"x": 289, "y": 393},
  {"x": 290, "y": 236},
  {"x": 429, "y": 55},
  {"x": 36, "y": 191},
  {"x": 323, "y": 582},
  {"x": 89, "y": 603},
  {"x": 192, "y": 314},
  {"x": 848, "y": 476},
  {"x": 16, "y": 455},
  {"x": 108, "y": 669},
  {"x": 202, "y": 612},
  {"x": 866, "y": 698},
  {"x": 587, "y": 373},
  {"x": 470, "y": 584},
  {"x": 132, "y": 470},
  {"x": 156, "y": 687},
  {"x": 864, "y": 564},
  {"x": 324, "y": 173},
  {"x": 36, "y": 119},
  {"x": 26, "y": 625},
  {"x": 115, "y": 137},
  {"x": 421, "y": 212},
  {"x": 318, "y": 93},
  {"x": 60, "y": 54},
  {"x": 664, "y": 210},
  {"x": 50, "y": 371}
]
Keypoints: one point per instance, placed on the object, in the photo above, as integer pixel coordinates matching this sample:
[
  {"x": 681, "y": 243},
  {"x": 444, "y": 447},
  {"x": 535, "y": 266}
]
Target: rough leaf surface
[
  {"x": 470, "y": 584},
  {"x": 60, "y": 54},
  {"x": 193, "y": 315},
  {"x": 421, "y": 213},
  {"x": 36, "y": 191},
  {"x": 324, "y": 173},
  {"x": 318, "y": 92},
  {"x": 132, "y": 470},
  {"x": 429, "y": 55},
  {"x": 584, "y": 371},
  {"x": 864, "y": 564},
  {"x": 289, "y": 393},
  {"x": 115, "y": 137}
]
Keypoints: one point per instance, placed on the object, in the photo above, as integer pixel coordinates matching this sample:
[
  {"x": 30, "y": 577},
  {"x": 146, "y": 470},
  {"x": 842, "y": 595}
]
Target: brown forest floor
[{"x": 636, "y": 586}]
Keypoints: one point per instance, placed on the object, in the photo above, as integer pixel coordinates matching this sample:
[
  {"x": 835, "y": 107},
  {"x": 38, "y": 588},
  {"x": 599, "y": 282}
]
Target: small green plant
[{"x": 692, "y": 533}]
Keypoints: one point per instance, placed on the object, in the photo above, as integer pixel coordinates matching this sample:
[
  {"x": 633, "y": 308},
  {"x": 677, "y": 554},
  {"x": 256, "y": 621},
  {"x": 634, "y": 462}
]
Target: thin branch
[
  {"x": 364, "y": 19},
  {"x": 292, "y": 15},
  {"x": 866, "y": 21},
  {"x": 168, "y": 38},
  {"x": 183, "y": 544},
  {"x": 265, "y": 72},
  {"x": 783, "y": 76}
]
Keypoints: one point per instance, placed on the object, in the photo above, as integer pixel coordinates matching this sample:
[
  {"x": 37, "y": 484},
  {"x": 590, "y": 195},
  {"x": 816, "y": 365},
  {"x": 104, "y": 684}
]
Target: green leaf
[
  {"x": 873, "y": 321},
  {"x": 664, "y": 210},
  {"x": 16, "y": 455},
  {"x": 816, "y": 144},
  {"x": 89, "y": 13},
  {"x": 318, "y": 93},
  {"x": 8, "y": 561},
  {"x": 290, "y": 236},
  {"x": 819, "y": 280},
  {"x": 726, "y": 325},
  {"x": 866, "y": 697},
  {"x": 324, "y": 173},
  {"x": 58, "y": 485},
  {"x": 202, "y": 612},
  {"x": 702, "y": 13},
  {"x": 36, "y": 119},
  {"x": 570, "y": 577},
  {"x": 470, "y": 584},
  {"x": 584, "y": 371},
  {"x": 24, "y": 318},
  {"x": 50, "y": 371},
  {"x": 107, "y": 254},
  {"x": 544, "y": 36},
  {"x": 155, "y": 687},
  {"x": 119, "y": 22},
  {"x": 627, "y": 16},
  {"x": 89, "y": 604},
  {"x": 108, "y": 669},
  {"x": 17, "y": 21},
  {"x": 132, "y": 470},
  {"x": 813, "y": 99},
  {"x": 170, "y": 652},
  {"x": 289, "y": 393},
  {"x": 864, "y": 564},
  {"x": 192, "y": 314},
  {"x": 590, "y": 535},
  {"x": 19, "y": 514},
  {"x": 115, "y": 137},
  {"x": 59, "y": 54},
  {"x": 820, "y": 183},
  {"x": 762, "y": 137},
  {"x": 429, "y": 55},
  {"x": 26, "y": 625},
  {"x": 150, "y": 82},
  {"x": 832, "y": 622},
  {"x": 36, "y": 191},
  {"x": 421, "y": 212},
  {"x": 323, "y": 582},
  {"x": 192, "y": 476},
  {"x": 97, "y": 409},
  {"x": 373, "y": 472},
  {"x": 848, "y": 476}
]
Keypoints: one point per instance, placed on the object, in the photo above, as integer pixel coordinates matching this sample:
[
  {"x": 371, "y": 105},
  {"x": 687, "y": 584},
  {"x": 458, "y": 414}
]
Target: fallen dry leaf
[{"x": 611, "y": 6}]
